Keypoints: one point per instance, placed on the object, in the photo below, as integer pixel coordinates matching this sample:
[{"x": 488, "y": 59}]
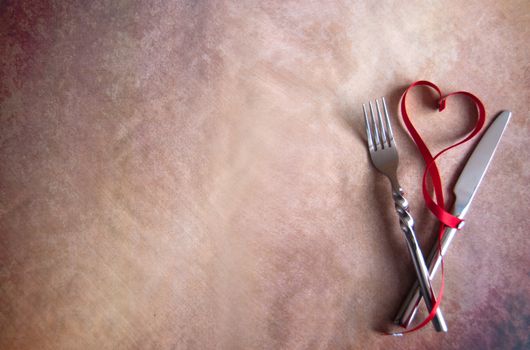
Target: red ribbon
[{"x": 437, "y": 206}]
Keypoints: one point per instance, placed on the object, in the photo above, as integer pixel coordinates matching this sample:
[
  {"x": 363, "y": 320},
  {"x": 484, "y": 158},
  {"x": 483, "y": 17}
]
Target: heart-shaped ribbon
[{"x": 437, "y": 207}]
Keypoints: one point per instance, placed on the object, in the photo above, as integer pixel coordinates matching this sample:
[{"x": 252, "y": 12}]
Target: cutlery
[
  {"x": 465, "y": 190},
  {"x": 384, "y": 156}
]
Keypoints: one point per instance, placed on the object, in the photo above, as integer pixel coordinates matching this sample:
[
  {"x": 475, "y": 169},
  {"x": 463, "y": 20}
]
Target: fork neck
[{"x": 396, "y": 187}]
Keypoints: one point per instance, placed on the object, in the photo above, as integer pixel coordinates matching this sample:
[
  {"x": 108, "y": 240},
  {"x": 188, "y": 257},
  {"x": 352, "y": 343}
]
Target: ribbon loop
[{"x": 437, "y": 207}]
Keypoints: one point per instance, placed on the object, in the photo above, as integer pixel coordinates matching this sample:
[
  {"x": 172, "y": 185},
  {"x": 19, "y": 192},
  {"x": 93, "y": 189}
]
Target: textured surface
[{"x": 192, "y": 175}]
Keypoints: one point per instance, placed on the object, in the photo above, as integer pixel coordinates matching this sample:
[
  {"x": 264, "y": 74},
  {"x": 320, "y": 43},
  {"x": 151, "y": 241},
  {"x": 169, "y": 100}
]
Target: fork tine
[
  {"x": 384, "y": 140},
  {"x": 368, "y": 132},
  {"x": 376, "y": 132},
  {"x": 389, "y": 126}
]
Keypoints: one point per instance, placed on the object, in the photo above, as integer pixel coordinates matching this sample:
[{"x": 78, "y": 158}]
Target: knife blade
[{"x": 465, "y": 190}]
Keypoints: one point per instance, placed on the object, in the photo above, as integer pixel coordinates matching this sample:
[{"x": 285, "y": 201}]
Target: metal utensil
[
  {"x": 384, "y": 156},
  {"x": 465, "y": 189}
]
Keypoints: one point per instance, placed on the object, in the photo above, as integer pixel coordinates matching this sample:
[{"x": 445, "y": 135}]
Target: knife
[{"x": 465, "y": 189}]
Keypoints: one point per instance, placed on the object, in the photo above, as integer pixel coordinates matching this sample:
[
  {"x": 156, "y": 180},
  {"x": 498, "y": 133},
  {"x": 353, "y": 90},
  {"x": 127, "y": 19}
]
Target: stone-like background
[{"x": 193, "y": 174}]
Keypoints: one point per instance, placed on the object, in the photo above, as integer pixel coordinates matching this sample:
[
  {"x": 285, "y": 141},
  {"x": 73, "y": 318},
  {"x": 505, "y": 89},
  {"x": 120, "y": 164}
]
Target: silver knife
[{"x": 465, "y": 190}]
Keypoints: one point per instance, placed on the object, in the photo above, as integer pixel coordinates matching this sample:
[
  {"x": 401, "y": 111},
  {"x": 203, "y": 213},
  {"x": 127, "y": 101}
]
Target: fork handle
[
  {"x": 410, "y": 305},
  {"x": 406, "y": 223}
]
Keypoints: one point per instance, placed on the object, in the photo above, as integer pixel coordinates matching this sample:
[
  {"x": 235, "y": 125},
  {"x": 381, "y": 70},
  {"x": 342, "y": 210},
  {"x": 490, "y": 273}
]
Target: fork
[{"x": 384, "y": 155}]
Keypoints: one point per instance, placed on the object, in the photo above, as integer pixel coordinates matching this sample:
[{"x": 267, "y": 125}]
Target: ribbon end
[{"x": 441, "y": 105}]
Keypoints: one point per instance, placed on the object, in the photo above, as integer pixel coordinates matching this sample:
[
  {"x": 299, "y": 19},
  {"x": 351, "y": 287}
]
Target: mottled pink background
[{"x": 193, "y": 174}]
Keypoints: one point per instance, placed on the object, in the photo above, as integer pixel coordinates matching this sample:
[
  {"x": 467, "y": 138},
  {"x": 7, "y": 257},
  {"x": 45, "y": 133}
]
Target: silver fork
[{"x": 384, "y": 155}]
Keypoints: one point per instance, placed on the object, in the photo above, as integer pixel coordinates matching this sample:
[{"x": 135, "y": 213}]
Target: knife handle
[
  {"x": 407, "y": 226},
  {"x": 408, "y": 309}
]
